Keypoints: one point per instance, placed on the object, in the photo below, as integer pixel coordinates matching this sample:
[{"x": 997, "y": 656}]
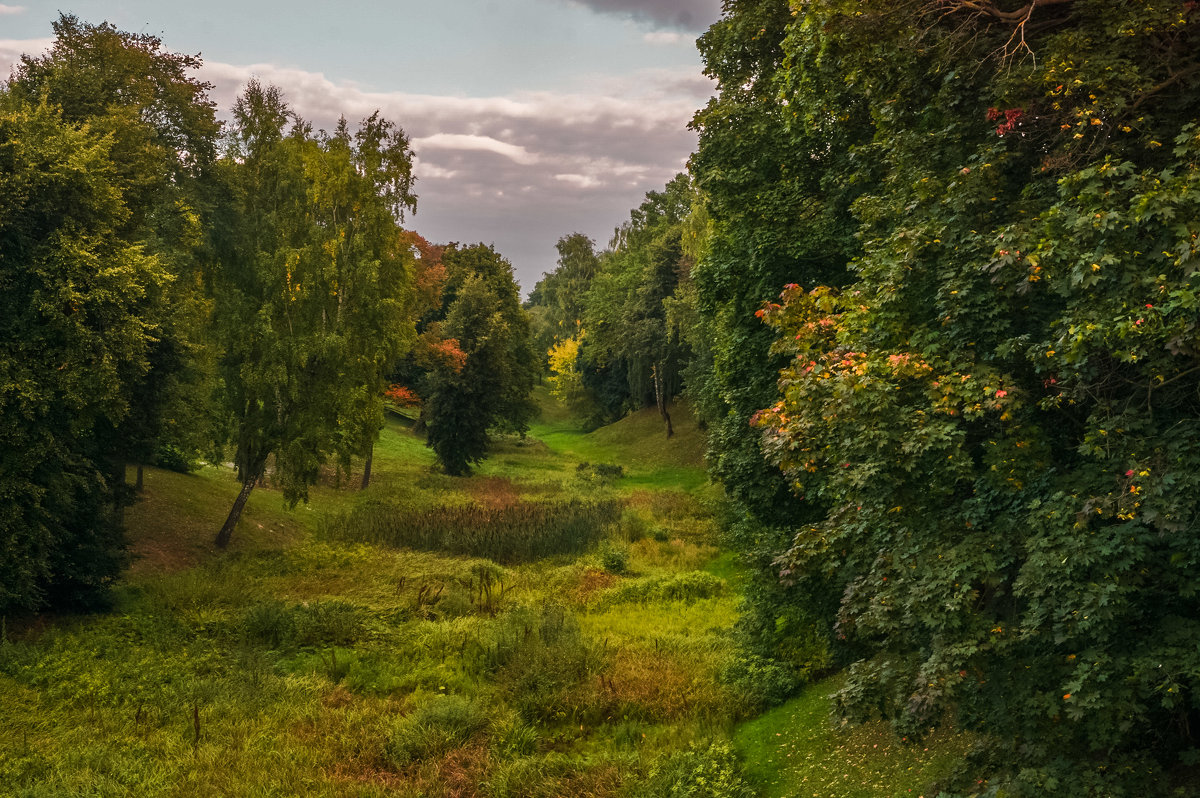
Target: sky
[{"x": 530, "y": 119}]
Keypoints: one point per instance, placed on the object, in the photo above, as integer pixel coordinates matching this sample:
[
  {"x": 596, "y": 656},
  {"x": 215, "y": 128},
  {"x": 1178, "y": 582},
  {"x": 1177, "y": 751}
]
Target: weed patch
[{"x": 515, "y": 533}]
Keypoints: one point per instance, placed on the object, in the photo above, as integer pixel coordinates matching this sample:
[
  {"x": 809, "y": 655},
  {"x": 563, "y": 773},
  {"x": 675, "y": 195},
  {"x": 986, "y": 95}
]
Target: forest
[{"x": 862, "y": 460}]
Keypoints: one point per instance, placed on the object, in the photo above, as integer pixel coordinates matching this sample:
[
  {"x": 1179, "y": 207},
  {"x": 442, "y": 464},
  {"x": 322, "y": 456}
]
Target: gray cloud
[
  {"x": 689, "y": 15},
  {"x": 518, "y": 171}
]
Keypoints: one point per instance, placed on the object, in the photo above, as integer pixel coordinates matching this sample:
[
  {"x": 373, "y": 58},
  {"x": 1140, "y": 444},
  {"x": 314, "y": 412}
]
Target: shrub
[
  {"x": 759, "y": 681},
  {"x": 322, "y": 623},
  {"x": 688, "y": 587},
  {"x": 439, "y": 724},
  {"x": 615, "y": 559},
  {"x": 599, "y": 472},
  {"x": 173, "y": 458},
  {"x": 520, "y": 532},
  {"x": 542, "y": 661},
  {"x": 711, "y": 771}
]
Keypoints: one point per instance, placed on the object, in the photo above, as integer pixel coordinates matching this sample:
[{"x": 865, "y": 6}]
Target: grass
[
  {"x": 795, "y": 750},
  {"x": 312, "y": 659}
]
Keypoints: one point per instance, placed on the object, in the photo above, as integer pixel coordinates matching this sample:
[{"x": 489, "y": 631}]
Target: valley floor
[{"x": 547, "y": 626}]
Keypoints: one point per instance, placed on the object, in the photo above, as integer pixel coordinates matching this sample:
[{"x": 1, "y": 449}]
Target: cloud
[
  {"x": 518, "y": 170},
  {"x": 6, "y": 11},
  {"x": 689, "y": 15},
  {"x": 11, "y": 51},
  {"x": 667, "y": 37},
  {"x": 461, "y": 141}
]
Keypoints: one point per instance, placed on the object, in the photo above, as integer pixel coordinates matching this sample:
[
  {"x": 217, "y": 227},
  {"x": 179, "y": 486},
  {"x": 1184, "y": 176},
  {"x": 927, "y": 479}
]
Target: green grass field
[{"x": 307, "y": 660}]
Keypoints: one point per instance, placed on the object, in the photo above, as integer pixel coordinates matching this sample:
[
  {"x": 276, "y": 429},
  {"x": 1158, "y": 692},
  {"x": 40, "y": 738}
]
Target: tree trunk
[
  {"x": 660, "y": 396},
  {"x": 367, "y": 466},
  {"x": 139, "y": 483},
  {"x": 239, "y": 504},
  {"x": 118, "y": 489}
]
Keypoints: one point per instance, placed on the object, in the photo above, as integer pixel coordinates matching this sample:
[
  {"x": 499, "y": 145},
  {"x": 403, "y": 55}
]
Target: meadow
[{"x": 557, "y": 624}]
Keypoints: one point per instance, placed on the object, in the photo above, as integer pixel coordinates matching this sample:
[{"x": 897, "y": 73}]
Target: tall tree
[
  {"x": 72, "y": 341},
  {"x": 164, "y": 131},
  {"x": 626, "y": 315},
  {"x": 490, "y": 388},
  {"x": 311, "y": 289},
  {"x": 995, "y": 423}
]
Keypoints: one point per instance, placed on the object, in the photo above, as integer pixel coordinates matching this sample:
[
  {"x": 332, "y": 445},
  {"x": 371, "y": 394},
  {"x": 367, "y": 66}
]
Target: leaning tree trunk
[
  {"x": 660, "y": 396},
  {"x": 366, "y": 480},
  {"x": 235, "y": 513}
]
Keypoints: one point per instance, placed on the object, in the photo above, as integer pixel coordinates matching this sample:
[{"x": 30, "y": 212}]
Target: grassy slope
[{"x": 109, "y": 705}]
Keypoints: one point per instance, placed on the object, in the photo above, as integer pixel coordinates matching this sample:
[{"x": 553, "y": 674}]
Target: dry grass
[{"x": 496, "y": 493}]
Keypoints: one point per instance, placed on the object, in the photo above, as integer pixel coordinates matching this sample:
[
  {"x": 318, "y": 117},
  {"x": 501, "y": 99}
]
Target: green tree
[
  {"x": 491, "y": 388},
  {"x": 626, "y": 306},
  {"x": 995, "y": 423},
  {"x": 556, "y": 302},
  {"x": 72, "y": 339},
  {"x": 163, "y": 133},
  {"x": 311, "y": 287}
]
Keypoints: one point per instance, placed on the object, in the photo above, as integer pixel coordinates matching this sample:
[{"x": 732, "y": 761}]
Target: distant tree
[
  {"x": 556, "y": 302},
  {"x": 626, "y": 306},
  {"x": 491, "y": 389}
]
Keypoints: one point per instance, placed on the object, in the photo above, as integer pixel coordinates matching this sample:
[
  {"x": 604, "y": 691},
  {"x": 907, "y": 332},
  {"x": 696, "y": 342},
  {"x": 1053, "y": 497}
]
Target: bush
[
  {"x": 688, "y": 587},
  {"x": 711, "y": 771},
  {"x": 173, "y": 458},
  {"x": 541, "y": 661},
  {"x": 439, "y": 724},
  {"x": 322, "y": 623},
  {"x": 760, "y": 682},
  {"x": 599, "y": 472},
  {"x": 518, "y": 533},
  {"x": 615, "y": 559}
]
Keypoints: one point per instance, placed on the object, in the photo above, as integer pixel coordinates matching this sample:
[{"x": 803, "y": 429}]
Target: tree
[
  {"x": 491, "y": 388},
  {"x": 312, "y": 290},
  {"x": 994, "y": 424},
  {"x": 163, "y": 132},
  {"x": 556, "y": 302},
  {"x": 72, "y": 340}
]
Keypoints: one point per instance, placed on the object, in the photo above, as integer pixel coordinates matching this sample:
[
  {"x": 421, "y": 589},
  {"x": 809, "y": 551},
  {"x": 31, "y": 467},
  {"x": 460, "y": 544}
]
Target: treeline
[
  {"x": 174, "y": 288},
  {"x": 943, "y": 303},
  {"x": 617, "y": 329}
]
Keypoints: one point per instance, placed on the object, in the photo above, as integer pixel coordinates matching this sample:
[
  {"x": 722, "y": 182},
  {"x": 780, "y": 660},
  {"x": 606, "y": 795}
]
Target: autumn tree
[{"x": 489, "y": 388}]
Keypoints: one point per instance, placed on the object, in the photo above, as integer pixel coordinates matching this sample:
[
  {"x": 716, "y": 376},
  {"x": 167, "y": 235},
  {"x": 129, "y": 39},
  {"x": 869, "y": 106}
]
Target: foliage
[
  {"x": 702, "y": 771},
  {"x": 162, "y": 132},
  {"x": 72, "y": 343},
  {"x": 489, "y": 387},
  {"x": 311, "y": 310},
  {"x": 106, "y": 143},
  {"x": 614, "y": 559},
  {"x": 991, "y": 427},
  {"x": 556, "y": 302},
  {"x": 687, "y": 586},
  {"x": 401, "y": 395},
  {"x": 566, "y": 378}
]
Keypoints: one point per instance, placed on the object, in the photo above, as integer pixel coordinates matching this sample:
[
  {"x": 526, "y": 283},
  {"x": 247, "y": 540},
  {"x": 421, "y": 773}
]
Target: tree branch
[{"x": 1019, "y": 16}]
